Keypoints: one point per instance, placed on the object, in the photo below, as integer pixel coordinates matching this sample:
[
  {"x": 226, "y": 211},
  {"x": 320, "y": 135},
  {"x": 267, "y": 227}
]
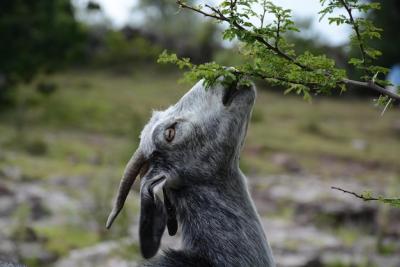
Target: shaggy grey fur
[{"x": 204, "y": 191}]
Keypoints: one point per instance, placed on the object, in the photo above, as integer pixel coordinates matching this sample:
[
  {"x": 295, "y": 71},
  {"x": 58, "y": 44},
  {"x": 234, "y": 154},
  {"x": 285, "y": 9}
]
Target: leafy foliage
[
  {"x": 364, "y": 31},
  {"x": 119, "y": 50},
  {"x": 367, "y": 196},
  {"x": 271, "y": 56},
  {"x": 395, "y": 202}
]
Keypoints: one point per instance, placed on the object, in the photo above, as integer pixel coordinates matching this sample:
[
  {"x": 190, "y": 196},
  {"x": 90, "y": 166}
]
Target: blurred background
[{"x": 79, "y": 79}]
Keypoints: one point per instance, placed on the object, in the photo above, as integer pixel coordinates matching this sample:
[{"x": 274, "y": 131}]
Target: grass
[
  {"x": 61, "y": 239},
  {"x": 327, "y": 128}
]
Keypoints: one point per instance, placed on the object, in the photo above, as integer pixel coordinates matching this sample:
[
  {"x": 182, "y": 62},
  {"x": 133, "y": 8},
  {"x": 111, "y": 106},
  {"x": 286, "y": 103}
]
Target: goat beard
[{"x": 156, "y": 212}]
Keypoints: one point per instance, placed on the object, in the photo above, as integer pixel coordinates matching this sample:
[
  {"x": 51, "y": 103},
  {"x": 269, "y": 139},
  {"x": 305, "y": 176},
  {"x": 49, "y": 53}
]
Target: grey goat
[{"x": 190, "y": 154}]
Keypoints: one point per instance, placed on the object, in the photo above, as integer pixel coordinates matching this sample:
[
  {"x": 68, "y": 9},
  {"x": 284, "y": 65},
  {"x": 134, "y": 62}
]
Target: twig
[
  {"x": 365, "y": 198},
  {"x": 264, "y": 77},
  {"x": 278, "y": 31},
  {"x": 372, "y": 86},
  {"x": 183, "y": 5},
  {"x": 263, "y": 14},
  {"x": 356, "y": 30}
]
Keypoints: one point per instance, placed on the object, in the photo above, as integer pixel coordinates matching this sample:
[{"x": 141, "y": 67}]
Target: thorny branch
[
  {"x": 221, "y": 17},
  {"x": 356, "y": 30},
  {"x": 373, "y": 86},
  {"x": 395, "y": 202},
  {"x": 278, "y": 32},
  {"x": 365, "y": 198},
  {"x": 263, "y": 15},
  {"x": 271, "y": 78}
]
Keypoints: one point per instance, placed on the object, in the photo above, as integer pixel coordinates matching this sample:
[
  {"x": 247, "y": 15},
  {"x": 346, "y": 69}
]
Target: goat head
[{"x": 200, "y": 136}]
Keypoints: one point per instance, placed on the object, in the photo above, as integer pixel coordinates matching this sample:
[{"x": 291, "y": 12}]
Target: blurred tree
[
  {"x": 36, "y": 36},
  {"x": 117, "y": 50},
  {"x": 182, "y": 32},
  {"x": 388, "y": 18},
  {"x": 93, "y": 6}
]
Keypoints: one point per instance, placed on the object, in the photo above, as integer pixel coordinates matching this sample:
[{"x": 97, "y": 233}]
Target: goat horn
[{"x": 132, "y": 169}]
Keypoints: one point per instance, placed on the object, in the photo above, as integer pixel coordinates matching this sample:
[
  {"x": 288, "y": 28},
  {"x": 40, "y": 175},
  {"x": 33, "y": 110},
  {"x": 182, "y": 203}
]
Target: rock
[
  {"x": 36, "y": 252},
  {"x": 103, "y": 254},
  {"x": 287, "y": 162},
  {"x": 96, "y": 159},
  {"x": 10, "y": 264},
  {"x": 311, "y": 198},
  {"x": 7, "y": 250},
  {"x": 7, "y": 206},
  {"x": 306, "y": 239},
  {"x": 254, "y": 150},
  {"x": 295, "y": 236},
  {"x": 297, "y": 246},
  {"x": 12, "y": 172},
  {"x": 392, "y": 227},
  {"x": 109, "y": 253},
  {"x": 35, "y": 197},
  {"x": 307, "y": 246},
  {"x": 70, "y": 181},
  {"x": 26, "y": 234},
  {"x": 288, "y": 259},
  {"x": 349, "y": 258},
  {"x": 38, "y": 210},
  {"x": 359, "y": 144},
  {"x": 5, "y": 191}
]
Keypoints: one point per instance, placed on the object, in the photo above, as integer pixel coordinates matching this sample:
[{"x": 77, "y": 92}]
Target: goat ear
[
  {"x": 153, "y": 220},
  {"x": 172, "y": 223}
]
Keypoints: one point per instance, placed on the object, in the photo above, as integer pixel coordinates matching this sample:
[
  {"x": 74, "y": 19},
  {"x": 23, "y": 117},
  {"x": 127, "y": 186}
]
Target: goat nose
[{"x": 229, "y": 94}]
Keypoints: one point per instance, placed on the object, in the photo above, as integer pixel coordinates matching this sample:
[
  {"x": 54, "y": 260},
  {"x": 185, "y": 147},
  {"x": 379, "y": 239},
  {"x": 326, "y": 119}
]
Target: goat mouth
[
  {"x": 156, "y": 185},
  {"x": 157, "y": 181},
  {"x": 229, "y": 94}
]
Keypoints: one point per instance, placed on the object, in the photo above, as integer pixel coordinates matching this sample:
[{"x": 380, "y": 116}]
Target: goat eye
[{"x": 169, "y": 134}]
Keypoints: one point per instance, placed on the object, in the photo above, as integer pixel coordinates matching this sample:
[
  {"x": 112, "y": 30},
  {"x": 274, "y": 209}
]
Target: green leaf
[
  {"x": 394, "y": 202},
  {"x": 356, "y": 62}
]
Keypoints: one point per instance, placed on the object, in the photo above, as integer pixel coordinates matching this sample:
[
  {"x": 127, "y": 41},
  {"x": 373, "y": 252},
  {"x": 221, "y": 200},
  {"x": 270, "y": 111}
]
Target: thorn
[{"x": 387, "y": 105}]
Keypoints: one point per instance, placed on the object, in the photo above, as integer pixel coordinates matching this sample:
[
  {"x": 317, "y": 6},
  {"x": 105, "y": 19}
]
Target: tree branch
[
  {"x": 183, "y": 5},
  {"x": 365, "y": 198},
  {"x": 356, "y": 30},
  {"x": 264, "y": 77},
  {"x": 259, "y": 38},
  {"x": 277, "y": 32},
  {"x": 263, "y": 14},
  {"x": 372, "y": 86},
  {"x": 221, "y": 17},
  {"x": 395, "y": 202}
]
